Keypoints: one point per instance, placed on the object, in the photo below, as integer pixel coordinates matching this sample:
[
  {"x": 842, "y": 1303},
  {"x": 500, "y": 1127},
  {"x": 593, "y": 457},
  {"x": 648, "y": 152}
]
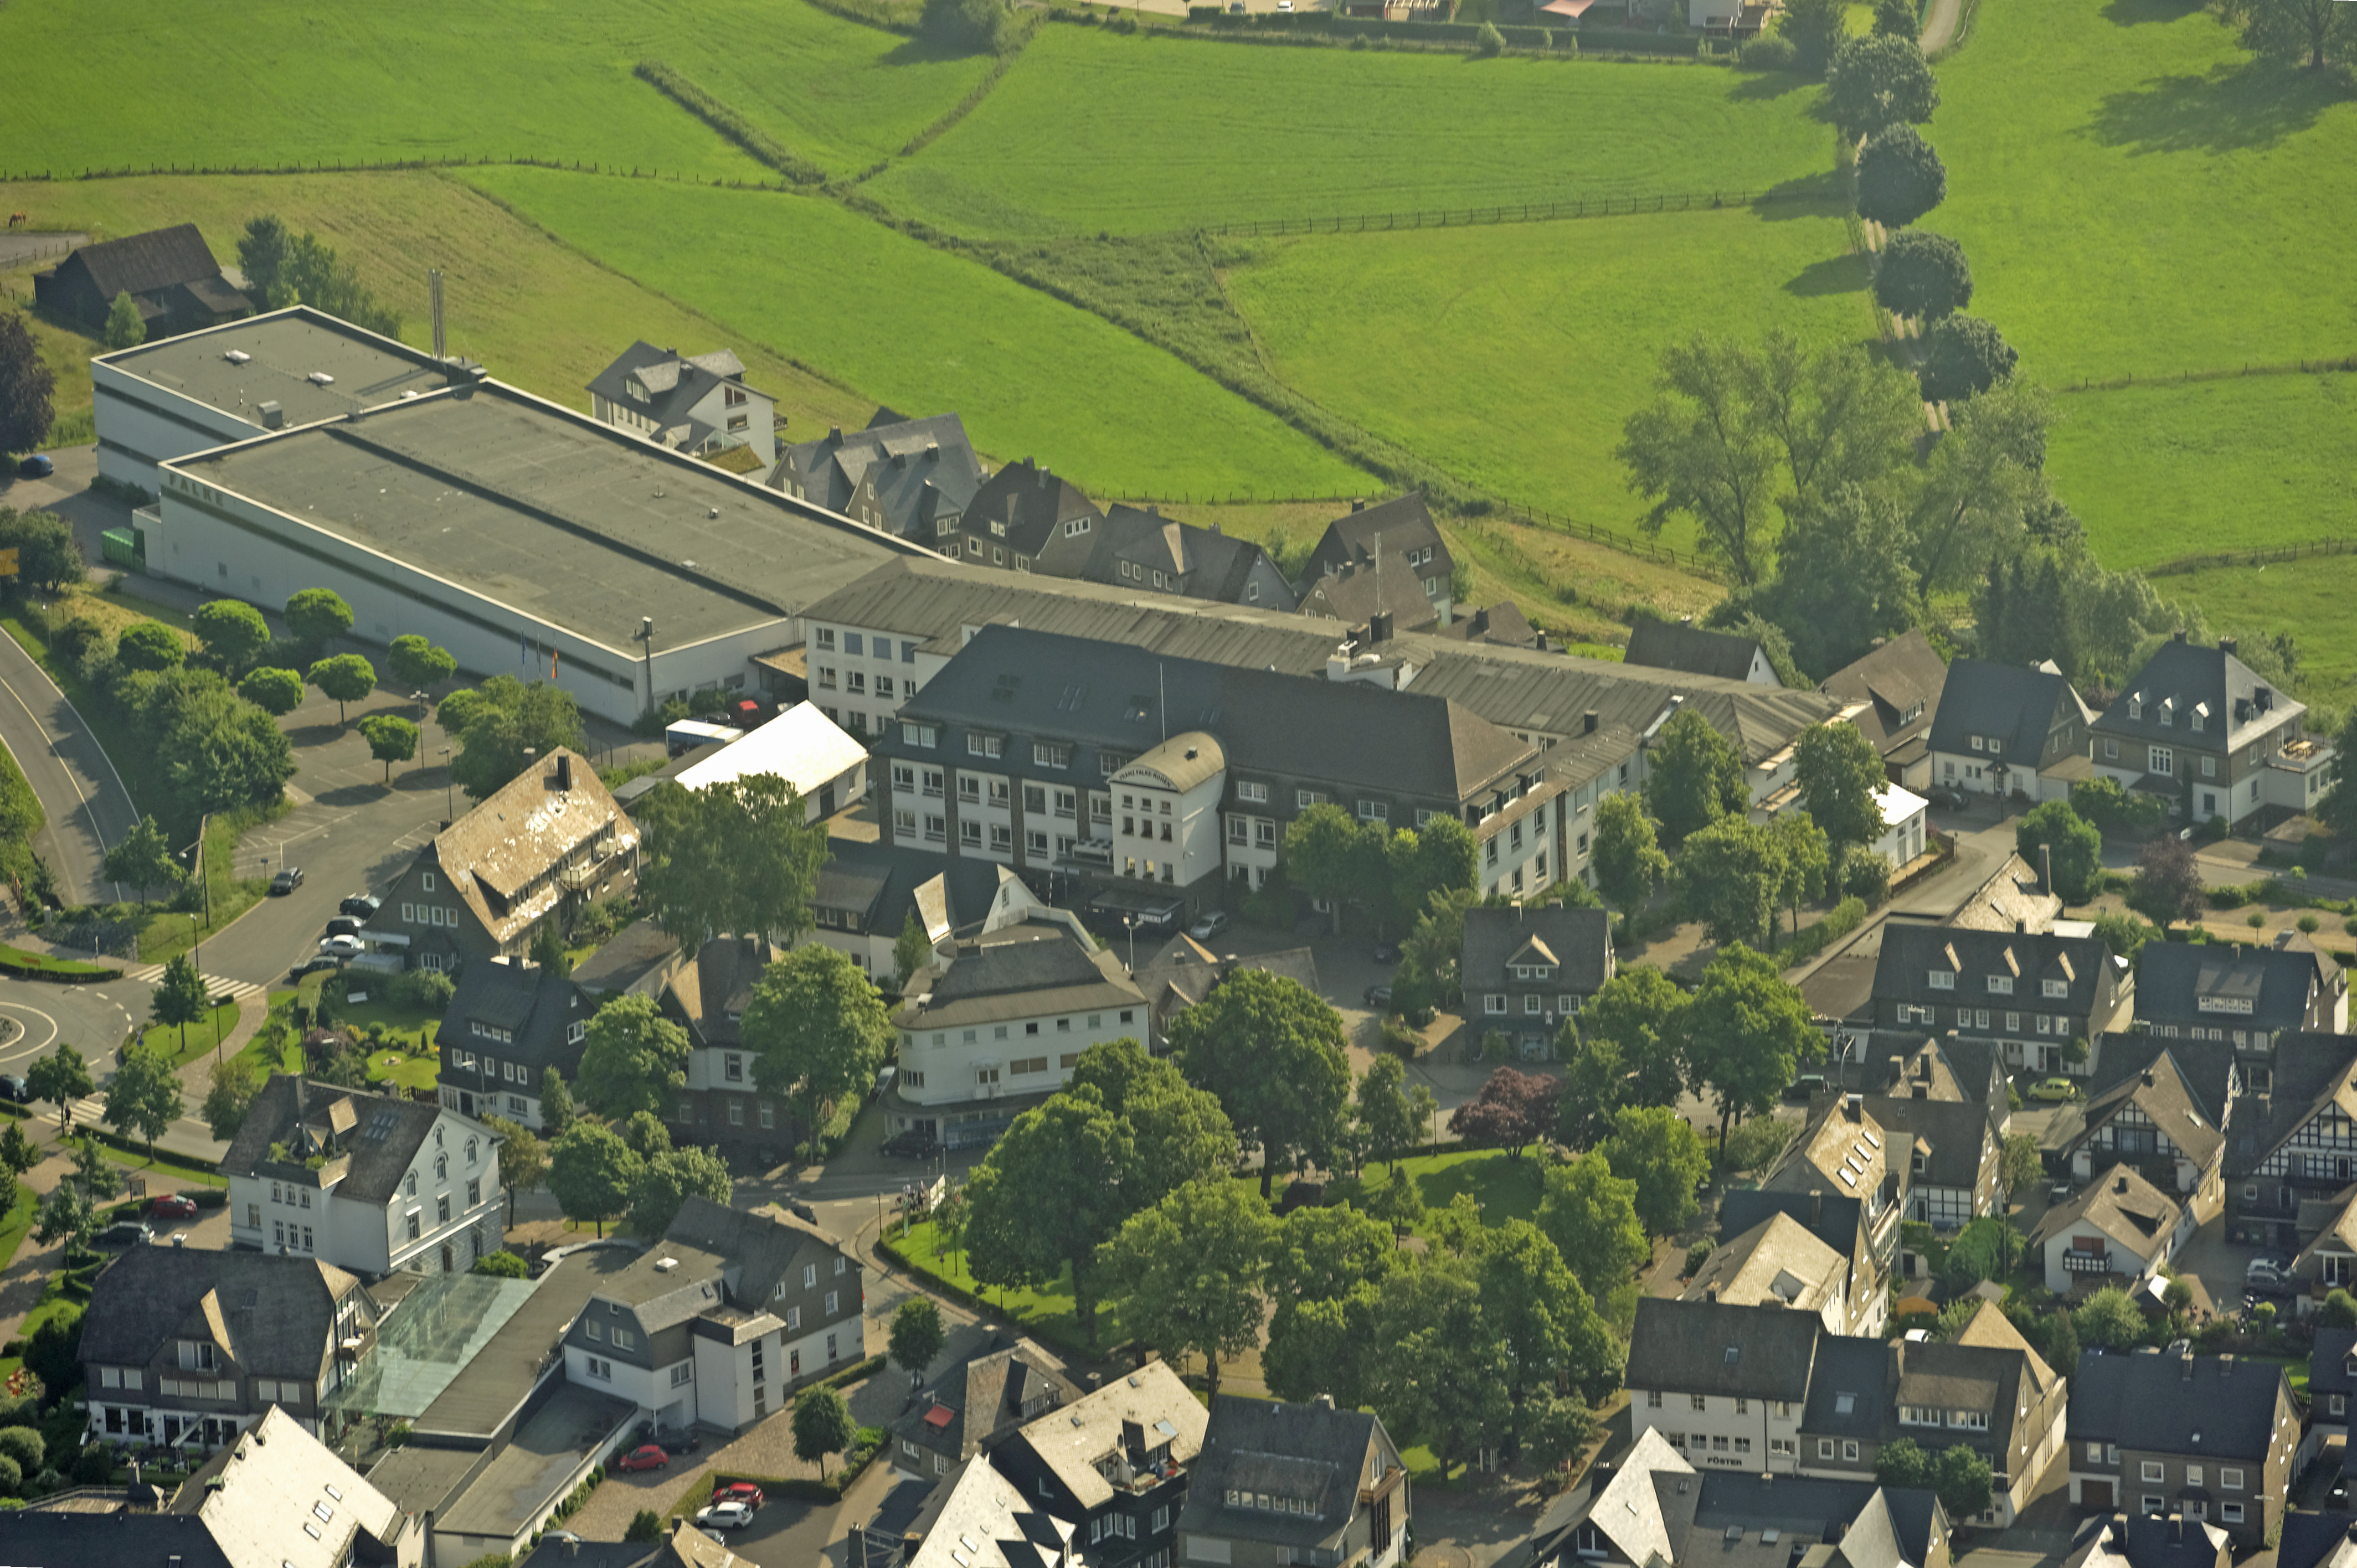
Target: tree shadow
[
  {"x": 2232, "y": 109},
  {"x": 1834, "y": 275},
  {"x": 2135, "y": 13},
  {"x": 1809, "y": 196},
  {"x": 1767, "y": 86},
  {"x": 926, "y": 51}
]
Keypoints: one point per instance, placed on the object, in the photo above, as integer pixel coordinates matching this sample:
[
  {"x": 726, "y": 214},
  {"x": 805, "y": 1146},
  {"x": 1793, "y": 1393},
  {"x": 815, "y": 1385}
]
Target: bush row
[{"x": 758, "y": 143}]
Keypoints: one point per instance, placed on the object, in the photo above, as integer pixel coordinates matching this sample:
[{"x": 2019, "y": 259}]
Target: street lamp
[{"x": 449, "y": 807}]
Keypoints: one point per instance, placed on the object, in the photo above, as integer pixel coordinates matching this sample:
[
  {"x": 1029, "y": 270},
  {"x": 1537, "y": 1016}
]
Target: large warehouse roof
[
  {"x": 282, "y": 353},
  {"x": 581, "y": 525}
]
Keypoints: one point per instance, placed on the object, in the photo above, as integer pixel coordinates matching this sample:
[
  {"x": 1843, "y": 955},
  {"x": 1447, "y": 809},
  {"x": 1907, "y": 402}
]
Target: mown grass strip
[{"x": 757, "y": 143}]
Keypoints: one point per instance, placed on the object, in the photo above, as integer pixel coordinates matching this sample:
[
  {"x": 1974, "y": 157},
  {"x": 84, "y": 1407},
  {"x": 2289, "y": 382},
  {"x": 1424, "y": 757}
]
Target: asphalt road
[{"x": 87, "y": 806}]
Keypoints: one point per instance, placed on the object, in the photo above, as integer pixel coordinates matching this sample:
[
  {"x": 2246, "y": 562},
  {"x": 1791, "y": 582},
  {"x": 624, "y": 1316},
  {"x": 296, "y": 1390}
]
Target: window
[
  {"x": 2153, "y": 1470},
  {"x": 1941, "y": 980},
  {"x": 1700, "y": 1402},
  {"x": 413, "y": 1228},
  {"x": 810, "y": 1276},
  {"x": 683, "y": 1373},
  {"x": 2231, "y": 1478},
  {"x": 1248, "y": 790},
  {"x": 1654, "y": 1400},
  {"x": 442, "y": 1209},
  {"x": 2153, "y": 1504},
  {"x": 924, "y": 737},
  {"x": 1494, "y": 1004},
  {"x": 2160, "y": 760},
  {"x": 1825, "y": 1447},
  {"x": 625, "y": 1339},
  {"x": 601, "y": 1370},
  {"x": 475, "y": 1192},
  {"x": 2193, "y": 1475},
  {"x": 1375, "y": 812},
  {"x": 2056, "y": 988},
  {"x": 1045, "y": 755},
  {"x": 1849, "y": 1449},
  {"x": 2229, "y": 1513},
  {"x": 2000, "y": 984}
]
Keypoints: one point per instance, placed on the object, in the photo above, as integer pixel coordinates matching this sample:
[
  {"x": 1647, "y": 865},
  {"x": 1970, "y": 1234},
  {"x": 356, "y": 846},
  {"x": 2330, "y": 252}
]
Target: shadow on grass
[
  {"x": 1834, "y": 275},
  {"x": 2233, "y": 108},
  {"x": 1767, "y": 86},
  {"x": 1811, "y": 195},
  {"x": 2135, "y": 13}
]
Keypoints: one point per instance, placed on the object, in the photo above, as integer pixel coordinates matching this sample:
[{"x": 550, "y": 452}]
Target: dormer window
[
  {"x": 1942, "y": 980},
  {"x": 2169, "y": 711},
  {"x": 2000, "y": 984},
  {"x": 2135, "y": 707}
]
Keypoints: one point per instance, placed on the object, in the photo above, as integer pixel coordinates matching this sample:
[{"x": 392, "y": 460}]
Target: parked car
[
  {"x": 2265, "y": 1273},
  {"x": 1212, "y": 925},
  {"x": 2059, "y": 1193},
  {"x": 1387, "y": 952},
  {"x": 363, "y": 906},
  {"x": 1949, "y": 797},
  {"x": 645, "y": 1457},
  {"x": 1805, "y": 1088},
  {"x": 344, "y": 925},
  {"x": 37, "y": 466},
  {"x": 1380, "y": 996},
  {"x": 723, "y": 1516},
  {"x": 314, "y": 965},
  {"x": 2061, "y": 1088},
  {"x": 743, "y": 1492},
  {"x": 16, "y": 1088},
  {"x": 675, "y": 1439},
  {"x": 912, "y": 1146},
  {"x": 126, "y": 1233},
  {"x": 800, "y": 1210},
  {"x": 289, "y": 878},
  {"x": 172, "y": 1206},
  {"x": 340, "y": 947}
]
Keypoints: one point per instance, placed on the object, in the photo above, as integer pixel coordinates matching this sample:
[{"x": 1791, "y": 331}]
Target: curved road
[{"x": 87, "y": 806}]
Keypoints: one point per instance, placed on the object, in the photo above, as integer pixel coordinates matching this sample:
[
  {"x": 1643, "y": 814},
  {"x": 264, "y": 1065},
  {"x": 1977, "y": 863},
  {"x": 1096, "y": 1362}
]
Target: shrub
[
  {"x": 1755, "y": 1144},
  {"x": 94, "y": 1466},
  {"x": 428, "y": 990},
  {"x": 23, "y": 1444},
  {"x": 2309, "y": 924},
  {"x": 1768, "y": 52},
  {"x": 1699, "y": 1253},
  {"x": 2256, "y": 918},
  {"x": 645, "y": 1525},
  {"x": 396, "y": 1435},
  {"x": 1865, "y": 877},
  {"x": 12, "y": 1477},
  {"x": 504, "y": 1266},
  {"x": 1489, "y": 40}
]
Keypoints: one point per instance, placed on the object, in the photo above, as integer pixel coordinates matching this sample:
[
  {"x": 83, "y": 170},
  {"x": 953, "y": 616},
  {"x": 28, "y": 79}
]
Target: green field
[
  {"x": 1099, "y": 131},
  {"x": 921, "y": 330},
  {"x": 2159, "y": 473},
  {"x": 1510, "y": 355},
  {"x": 2308, "y": 599},
  {"x": 2138, "y": 198}
]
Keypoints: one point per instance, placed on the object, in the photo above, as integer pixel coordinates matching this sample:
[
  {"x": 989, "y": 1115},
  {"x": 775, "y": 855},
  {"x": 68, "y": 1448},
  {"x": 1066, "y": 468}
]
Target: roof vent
[
  {"x": 320, "y": 379},
  {"x": 237, "y": 357},
  {"x": 273, "y": 416},
  {"x": 665, "y": 1265}
]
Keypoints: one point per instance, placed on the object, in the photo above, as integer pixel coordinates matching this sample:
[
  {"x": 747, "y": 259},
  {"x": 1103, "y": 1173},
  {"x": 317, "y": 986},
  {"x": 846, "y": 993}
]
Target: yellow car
[{"x": 2055, "y": 1089}]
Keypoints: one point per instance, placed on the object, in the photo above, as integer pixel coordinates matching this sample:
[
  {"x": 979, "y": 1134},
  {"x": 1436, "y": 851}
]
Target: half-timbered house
[{"x": 2302, "y": 1142}]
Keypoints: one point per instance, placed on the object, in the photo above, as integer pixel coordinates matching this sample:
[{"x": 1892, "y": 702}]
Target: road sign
[{"x": 8, "y": 561}]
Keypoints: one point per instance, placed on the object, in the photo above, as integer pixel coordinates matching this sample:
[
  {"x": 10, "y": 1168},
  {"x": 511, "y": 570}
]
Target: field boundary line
[
  {"x": 2344, "y": 366},
  {"x": 725, "y": 120},
  {"x": 972, "y": 99},
  {"x": 1634, "y": 204},
  {"x": 2180, "y": 566},
  {"x": 399, "y": 166}
]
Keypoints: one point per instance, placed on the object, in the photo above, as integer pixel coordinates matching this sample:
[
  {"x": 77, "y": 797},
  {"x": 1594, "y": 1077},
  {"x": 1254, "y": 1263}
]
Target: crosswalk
[{"x": 217, "y": 987}]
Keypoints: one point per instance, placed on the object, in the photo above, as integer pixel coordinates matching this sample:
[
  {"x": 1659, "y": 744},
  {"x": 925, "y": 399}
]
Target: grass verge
[
  {"x": 1506, "y": 1189},
  {"x": 1047, "y": 1311}
]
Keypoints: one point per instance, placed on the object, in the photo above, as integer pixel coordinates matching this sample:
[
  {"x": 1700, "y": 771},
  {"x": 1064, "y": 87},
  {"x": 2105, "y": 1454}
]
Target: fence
[
  {"x": 401, "y": 166},
  {"x": 17, "y": 257},
  {"x": 2185, "y": 563},
  {"x": 2183, "y": 377},
  {"x": 1514, "y": 212}
]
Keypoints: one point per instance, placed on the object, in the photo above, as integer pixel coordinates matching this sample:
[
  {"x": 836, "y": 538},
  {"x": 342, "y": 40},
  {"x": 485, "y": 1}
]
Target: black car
[
  {"x": 1387, "y": 952},
  {"x": 16, "y": 1088},
  {"x": 345, "y": 925},
  {"x": 360, "y": 906},
  {"x": 37, "y": 466},
  {"x": 912, "y": 1146},
  {"x": 314, "y": 965},
  {"x": 288, "y": 879},
  {"x": 1379, "y": 996},
  {"x": 125, "y": 1233}
]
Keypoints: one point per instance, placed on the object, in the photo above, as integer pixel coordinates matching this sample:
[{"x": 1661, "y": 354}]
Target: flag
[
  {"x": 551, "y": 664},
  {"x": 524, "y": 649}
]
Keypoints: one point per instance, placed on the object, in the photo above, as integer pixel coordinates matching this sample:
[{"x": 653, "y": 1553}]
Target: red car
[
  {"x": 743, "y": 1492},
  {"x": 646, "y": 1456},
  {"x": 172, "y": 1206}
]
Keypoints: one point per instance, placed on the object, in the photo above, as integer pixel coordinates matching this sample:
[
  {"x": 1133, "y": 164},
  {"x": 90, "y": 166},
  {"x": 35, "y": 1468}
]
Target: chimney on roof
[
  {"x": 2227, "y": 645},
  {"x": 1379, "y": 627},
  {"x": 2121, "y": 1185},
  {"x": 2020, "y": 926},
  {"x": 835, "y": 433},
  {"x": 1922, "y": 1092},
  {"x": 1358, "y": 503},
  {"x": 2179, "y": 639},
  {"x": 2147, "y": 1078},
  {"x": 2226, "y": 1365},
  {"x": 1710, "y": 1291},
  {"x": 2184, "y": 1365},
  {"x": 1853, "y": 1107},
  {"x": 1588, "y": 722},
  {"x": 2046, "y": 868},
  {"x": 564, "y": 771},
  {"x": 1816, "y": 1205},
  {"x": 1323, "y": 1401},
  {"x": 1686, "y": 621},
  {"x": 1480, "y": 622}
]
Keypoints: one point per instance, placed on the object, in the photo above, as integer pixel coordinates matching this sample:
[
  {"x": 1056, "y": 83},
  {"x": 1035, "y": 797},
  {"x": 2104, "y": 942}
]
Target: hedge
[
  {"x": 757, "y": 143},
  {"x": 55, "y": 970}
]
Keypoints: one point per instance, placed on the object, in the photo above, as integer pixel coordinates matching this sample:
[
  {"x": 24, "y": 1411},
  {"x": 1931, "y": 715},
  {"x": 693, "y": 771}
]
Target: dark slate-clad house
[
  {"x": 1895, "y": 692},
  {"x": 913, "y": 478},
  {"x": 1013, "y": 516},
  {"x": 974, "y": 1404},
  {"x": 2032, "y": 993},
  {"x": 1279, "y": 1483},
  {"x": 2209, "y": 1437},
  {"x": 170, "y": 273},
  {"x": 1128, "y": 548},
  {"x": 1681, "y": 645},
  {"x": 506, "y": 1025},
  {"x": 2009, "y": 729},
  {"x": 1526, "y": 969},
  {"x": 2245, "y": 994},
  {"x": 2203, "y": 729},
  {"x": 1115, "y": 1464}
]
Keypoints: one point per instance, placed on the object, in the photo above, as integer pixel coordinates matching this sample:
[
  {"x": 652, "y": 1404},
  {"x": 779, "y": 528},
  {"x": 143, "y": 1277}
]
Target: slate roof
[
  {"x": 1879, "y": 1527},
  {"x": 1356, "y": 593},
  {"x": 1503, "y": 624},
  {"x": 275, "y": 1315},
  {"x": 1404, "y": 524},
  {"x": 2160, "y": 1090},
  {"x": 380, "y": 1134},
  {"x": 1070, "y": 1441},
  {"x": 998, "y": 981},
  {"x": 1314, "y": 1453},
  {"x": 2011, "y": 900},
  {"x": 2311, "y": 1071},
  {"x": 983, "y": 1396},
  {"x": 710, "y": 992},
  {"x": 1958, "y": 1133},
  {"x": 1352, "y": 733},
  {"x": 1184, "y": 972},
  {"x": 2121, "y": 1205},
  {"x": 879, "y": 882},
  {"x": 628, "y": 962},
  {"x": 497, "y": 857},
  {"x": 1199, "y": 562},
  {"x": 1904, "y": 676},
  {"x": 2277, "y": 985},
  {"x": 1682, "y": 645},
  {"x": 761, "y": 1246},
  {"x": 1776, "y": 1260},
  {"x": 676, "y": 382},
  {"x": 143, "y": 263},
  {"x": 978, "y": 1519},
  {"x": 1644, "y": 1506},
  {"x": 1846, "y": 1153},
  {"x": 2324, "y": 1539},
  {"x": 1831, "y": 1217},
  {"x": 1909, "y": 954},
  {"x": 2211, "y": 1405},
  {"x": 534, "y": 1004},
  {"x": 1033, "y": 503},
  {"x": 2206, "y": 1069},
  {"x": 2017, "y": 705},
  {"x": 1577, "y": 941},
  {"x": 922, "y": 468},
  {"x": 2332, "y": 1363},
  {"x": 1722, "y": 1348},
  {"x": 2184, "y": 679},
  {"x": 2152, "y": 1541},
  {"x": 1850, "y": 1394}
]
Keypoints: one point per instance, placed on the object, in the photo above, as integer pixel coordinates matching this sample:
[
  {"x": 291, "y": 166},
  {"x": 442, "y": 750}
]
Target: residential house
[
  {"x": 170, "y": 273},
  {"x": 1723, "y": 1383},
  {"x": 696, "y": 403},
  {"x": 802, "y": 748},
  {"x": 2246, "y": 993},
  {"x": 1777, "y": 1262},
  {"x": 2325, "y": 1539},
  {"x": 2210, "y": 1078},
  {"x": 979, "y": 1518},
  {"x": 1142, "y": 549},
  {"x": 2157, "y": 1121},
  {"x": 2294, "y": 1141},
  {"x": 2331, "y": 1379},
  {"x": 970, "y": 1407},
  {"x": 2152, "y": 1541},
  {"x": 2328, "y": 1260},
  {"x": 1115, "y": 1465},
  {"x": 637, "y": 961},
  {"x": 1374, "y": 604},
  {"x": 720, "y": 1105},
  {"x": 1841, "y": 1225},
  {"x": 370, "y": 1183},
  {"x": 717, "y": 1323},
  {"x": 509, "y": 1024},
  {"x": 1397, "y": 537},
  {"x": 1278, "y": 1483},
  {"x": 1142, "y": 783},
  {"x": 1892, "y": 695},
  {"x": 1502, "y": 625},
  {"x": 1945, "y": 1067},
  {"x": 2209, "y": 1437},
  {"x": 184, "y": 1346},
  {"x": 1682, "y": 645},
  {"x": 2015, "y": 897},
  {"x": 1844, "y": 1152},
  {"x": 1185, "y": 972},
  {"x": 2121, "y": 1230},
  {"x": 539, "y": 847},
  {"x": 2200, "y": 726},
  {"x": 998, "y": 1026},
  {"x": 913, "y": 478},
  {"x": 2039, "y": 996},
  {"x": 1653, "y": 1509},
  {"x": 277, "y": 1496},
  {"x": 1525, "y": 969},
  {"x": 1954, "y": 1154},
  {"x": 1012, "y": 517},
  {"x": 1984, "y": 1388},
  {"x": 868, "y": 892},
  {"x": 2010, "y": 730}
]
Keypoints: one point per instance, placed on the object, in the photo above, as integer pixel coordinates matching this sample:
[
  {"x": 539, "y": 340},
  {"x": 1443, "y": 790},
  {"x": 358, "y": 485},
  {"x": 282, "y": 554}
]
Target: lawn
[
  {"x": 2308, "y": 597},
  {"x": 2138, "y": 197},
  {"x": 1510, "y": 355},
  {"x": 1506, "y": 1189},
  {"x": 924, "y": 330},
  {"x": 202, "y": 1035},
  {"x": 1098, "y": 130},
  {"x": 542, "y": 316},
  {"x": 2159, "y": 473},
  {"x": 1047, "y": 1312}
]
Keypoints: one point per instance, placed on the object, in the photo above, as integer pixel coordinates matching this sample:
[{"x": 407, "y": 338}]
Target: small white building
[
  {"x": 2120, "y": 1231},
  {"x": 800, "y": 745},
  {"x": 696, "y": 403},
  {"x": 1903, "y": 824}
]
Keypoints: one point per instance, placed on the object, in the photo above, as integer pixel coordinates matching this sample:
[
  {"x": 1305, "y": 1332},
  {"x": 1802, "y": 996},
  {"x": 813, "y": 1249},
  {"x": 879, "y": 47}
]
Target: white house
[
  {"x": 693, "y": 403},
  {"x": 1902, "y": 824},
  {"x": 2121, "y": 1229},
  {"x": 800, "y": 745},
  {"x": 370, "y": 1183}
]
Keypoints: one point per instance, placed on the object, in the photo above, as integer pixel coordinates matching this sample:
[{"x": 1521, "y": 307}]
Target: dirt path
[{"x": 1939, "y": 25}]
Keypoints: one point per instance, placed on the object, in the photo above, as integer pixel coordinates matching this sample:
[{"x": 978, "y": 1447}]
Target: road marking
[
  {"x": 215, "y": 985},
  {"x": 95, "y": 830},
  {"x": 38, "y": 1047}
]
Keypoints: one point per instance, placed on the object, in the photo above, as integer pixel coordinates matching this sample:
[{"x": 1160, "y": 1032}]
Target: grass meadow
[
  {"x": 1512, "y": 354},
  {"x": 918, "y": 328},
  {"x": 2309, "y": 599},
  {"x": 1131, "y": 134}
]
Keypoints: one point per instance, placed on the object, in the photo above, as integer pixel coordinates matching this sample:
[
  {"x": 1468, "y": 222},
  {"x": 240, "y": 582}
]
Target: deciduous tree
[
  {"x": 1188, "y": 1272},
  {"x": 234, "y": 1084},
  {"x": 1590, "y": 1214},
  {"x": 499, "y": 722},
  {"x": 820, "y": 1028},
  {"x": 1878, "y": 81},
  {"x": 181, "y": 998},
  {"x": 2311, "y": 33},
  {"x": 1695, "y": 776},
  {"x": 523, "y": 1158},
  {"x": 417, "y": 663},
  {"x": 1965, "y": 357},
  {"x": 26, "y": 387},
  {"x": 1657, "y": 1149},
  {"x": 591, "y": 1172},
  {"x": 2073, "y": 847},
  {"x": 1324, "y": 1272},
  {"x": 823, "y": 1426},
  {"x": 48, "y": 558},
  {"x": 1734, "y": 872},
  {"x": 1513, "y": 1111},
  {"x": 1814, "y": 27},
  {"x": 125, "y": 326},
  {"x": 1275, "y": 1053},
  {"x": 143, "y": 859},
  {"x": 1439, "y": 1372},
  {"x": 911, "y": 950},
  {"x": 1922, "y": 274},
  {"x": 916, "y": 1336},
  {"x": 391, "y": 738},
  {"x": 1746, "y": 1032},
  {"x": 2167, "y": 884},
  {"x": 60, "y": 1078},
  {"x": 670, "y": 1177},
  {"x": 1840, "y": 773},
  {"x": 233, "y": 634},
  {"x": 1395, "y": 1115},
  {"x": 1049, "y": 1193},
  {"x": 634, "y": 1059},
  {"x": 344, "y": 678},
  {"x": 739, "y": 857},
  {"x": 144, "y": 1096},
  {"x": 317, "y": 617},
  {"x": 1628, "y": 858},
  {"x": 1900, "y": 178},
  {"x": 148, "y": 645},
  {"x": 1324, "y": 857},
  {"x": 1638, "y": 1011},
  {"x": 275, "y": 691}
]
